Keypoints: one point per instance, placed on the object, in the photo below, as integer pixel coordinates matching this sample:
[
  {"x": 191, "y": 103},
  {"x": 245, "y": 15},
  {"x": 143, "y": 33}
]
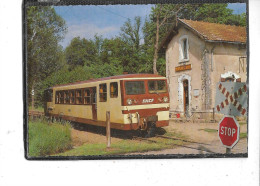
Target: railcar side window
[
  {"x": 72, "y": 96},
  {"x": 103, "y": 92},
  {"x": 157, "y": 86},
  {"x": 61, "y": 97},
  {"x": 86, "y": 96},
  {"x": 57, "y": 97},
  {"x": 134, "y": 87},
  {"x": 113, "y": 90},
  {"x": 66, "y": 97},
  {"x": 79, "y": 96}
]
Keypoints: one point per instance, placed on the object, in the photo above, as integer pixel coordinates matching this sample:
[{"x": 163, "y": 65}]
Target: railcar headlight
[
  {"x": 165, "y": 99},
  {"x": 129, "y": 101}
]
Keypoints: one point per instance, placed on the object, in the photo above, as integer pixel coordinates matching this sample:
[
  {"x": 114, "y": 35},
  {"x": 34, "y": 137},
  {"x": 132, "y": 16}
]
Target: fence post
[{"x": 108, "y": 129}]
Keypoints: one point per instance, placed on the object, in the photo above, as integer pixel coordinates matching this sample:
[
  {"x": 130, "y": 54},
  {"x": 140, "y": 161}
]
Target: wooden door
[{"x": 185, "y": 95}]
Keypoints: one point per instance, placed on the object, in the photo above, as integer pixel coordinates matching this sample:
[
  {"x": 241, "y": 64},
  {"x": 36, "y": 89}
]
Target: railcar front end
[{"x": 145, "y": 103}]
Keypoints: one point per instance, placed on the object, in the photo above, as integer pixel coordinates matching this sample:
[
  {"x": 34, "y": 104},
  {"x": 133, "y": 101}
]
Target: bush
[{"x": 46, "y": 139}]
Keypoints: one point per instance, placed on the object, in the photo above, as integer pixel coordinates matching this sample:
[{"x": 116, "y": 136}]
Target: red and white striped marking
[{"x": 231, "y": 98}]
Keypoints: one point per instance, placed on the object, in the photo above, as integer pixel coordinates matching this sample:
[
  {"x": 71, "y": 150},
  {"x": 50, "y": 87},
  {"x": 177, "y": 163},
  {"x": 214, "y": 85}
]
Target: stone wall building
[{"x": 198, "y": 56}]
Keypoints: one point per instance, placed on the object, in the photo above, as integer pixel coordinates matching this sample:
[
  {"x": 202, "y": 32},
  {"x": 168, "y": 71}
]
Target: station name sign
[{"x": 183, "y": 68}]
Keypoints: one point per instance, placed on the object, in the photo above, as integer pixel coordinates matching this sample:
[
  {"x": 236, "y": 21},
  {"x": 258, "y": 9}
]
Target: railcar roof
[{"x": 112, "y": 77}]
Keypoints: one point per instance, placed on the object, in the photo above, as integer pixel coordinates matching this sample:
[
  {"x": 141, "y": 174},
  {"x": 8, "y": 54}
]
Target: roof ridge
[
  {"x": 212, "y": 23},
  {"x": 216, "y": 32}
]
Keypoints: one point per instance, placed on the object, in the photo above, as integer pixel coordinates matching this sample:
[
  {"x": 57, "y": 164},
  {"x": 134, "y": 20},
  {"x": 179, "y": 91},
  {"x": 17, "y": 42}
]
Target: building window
[
  {"x": 103, "y": 92},
  {"x": 86, "y": 96},
  {"x": 184, "y": 49},
  {"x": 113, "y": 90}
]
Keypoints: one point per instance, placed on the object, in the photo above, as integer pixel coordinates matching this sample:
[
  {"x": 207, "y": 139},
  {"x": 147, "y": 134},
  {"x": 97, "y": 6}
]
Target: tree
[
  {"x": 131, "y": 33},
  {"x": 133, "y": 53},
  {"x": 80, "y": 52},
  {"x": 162, "y": 14},
  {"x": 44, "y": 55}
]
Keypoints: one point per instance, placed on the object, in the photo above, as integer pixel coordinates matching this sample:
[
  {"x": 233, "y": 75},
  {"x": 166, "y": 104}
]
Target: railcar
[{"x": 135, "y": 101}]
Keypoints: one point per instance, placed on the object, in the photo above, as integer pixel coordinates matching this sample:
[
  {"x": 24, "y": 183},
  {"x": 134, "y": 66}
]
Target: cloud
[{"x": 88, "y": 31}]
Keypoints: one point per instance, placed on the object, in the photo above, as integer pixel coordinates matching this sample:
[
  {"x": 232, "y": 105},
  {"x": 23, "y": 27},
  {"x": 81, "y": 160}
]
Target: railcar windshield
[
  {"x": 134, "y": 87},
  {"x": 157, "y": 86}
]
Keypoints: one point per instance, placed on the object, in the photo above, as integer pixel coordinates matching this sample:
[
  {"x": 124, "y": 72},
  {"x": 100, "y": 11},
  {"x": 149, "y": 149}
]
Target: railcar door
[{"x": 93, "y": 92}]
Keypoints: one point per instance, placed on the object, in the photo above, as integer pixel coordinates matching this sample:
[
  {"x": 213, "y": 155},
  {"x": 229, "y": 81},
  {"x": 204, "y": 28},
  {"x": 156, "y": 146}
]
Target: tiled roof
[{"x": 217, "y": 32}]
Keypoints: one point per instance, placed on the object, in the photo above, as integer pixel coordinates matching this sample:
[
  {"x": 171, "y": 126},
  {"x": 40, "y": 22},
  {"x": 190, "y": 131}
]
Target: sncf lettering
[{"x": 148, "y": 100}]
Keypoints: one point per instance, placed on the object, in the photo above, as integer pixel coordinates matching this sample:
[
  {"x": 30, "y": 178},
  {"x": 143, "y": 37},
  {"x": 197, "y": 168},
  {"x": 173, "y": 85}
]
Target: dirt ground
[
  {"x": 82, "y": 134},
  {"x": 199, "y": 140},
  {"x": 202, "y": 142}
]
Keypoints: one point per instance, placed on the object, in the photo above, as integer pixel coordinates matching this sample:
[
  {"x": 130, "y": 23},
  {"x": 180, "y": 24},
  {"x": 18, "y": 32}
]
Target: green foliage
[
  {"x": 242, "y": 135},
  {"x": 44, "y": 55},
  {"x": 47, "y": 139},
  {"x": 219, "y": 13},
  {"x": 80, "y": 52},
  {"x": 209, "y": 130},
  {"x": 131, "y": 33}
]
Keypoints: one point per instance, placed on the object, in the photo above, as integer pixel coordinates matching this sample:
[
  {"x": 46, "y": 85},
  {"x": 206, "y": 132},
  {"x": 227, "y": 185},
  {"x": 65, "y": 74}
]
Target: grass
[
  {"x": 242, "y": 135},
  {"x": 46, "y": 139},
  {"x": 124, "y": 147},
  {"x": 209, "y": 130},
  {"x": 242, "y": 123}
]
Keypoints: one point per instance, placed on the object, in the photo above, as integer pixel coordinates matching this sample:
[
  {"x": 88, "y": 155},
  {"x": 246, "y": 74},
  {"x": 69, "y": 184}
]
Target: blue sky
[{"x": 106, "y": 20}]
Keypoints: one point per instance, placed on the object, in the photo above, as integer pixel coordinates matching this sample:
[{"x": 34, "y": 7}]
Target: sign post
[{"x": 228, "y": 132}]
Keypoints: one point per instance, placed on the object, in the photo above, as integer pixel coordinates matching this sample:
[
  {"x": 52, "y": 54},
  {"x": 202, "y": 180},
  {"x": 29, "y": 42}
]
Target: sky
[{"x": 106, "y": 20}]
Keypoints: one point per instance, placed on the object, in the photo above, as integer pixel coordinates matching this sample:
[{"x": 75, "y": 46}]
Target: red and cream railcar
[{"x": 135, "y": 101}]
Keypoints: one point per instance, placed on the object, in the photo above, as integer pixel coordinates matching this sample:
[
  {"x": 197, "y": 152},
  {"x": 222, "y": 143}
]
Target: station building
[{"x": 198, "y": 56}]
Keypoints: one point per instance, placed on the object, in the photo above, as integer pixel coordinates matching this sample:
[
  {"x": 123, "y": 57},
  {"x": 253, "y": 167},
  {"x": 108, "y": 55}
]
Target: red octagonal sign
[{"x": 228, "y": 131}]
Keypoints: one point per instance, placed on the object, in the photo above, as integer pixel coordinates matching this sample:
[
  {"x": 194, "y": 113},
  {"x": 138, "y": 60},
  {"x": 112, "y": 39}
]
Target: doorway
[{"x": 186, "y": 100}]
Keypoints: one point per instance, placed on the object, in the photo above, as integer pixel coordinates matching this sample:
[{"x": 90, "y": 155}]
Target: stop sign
[{"x": 228, "y": 131}]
